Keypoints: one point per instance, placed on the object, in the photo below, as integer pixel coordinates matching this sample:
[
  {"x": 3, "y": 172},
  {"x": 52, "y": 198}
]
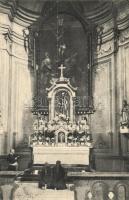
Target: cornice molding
[
  {"x": 124, "y": 37},
  {"x": 25, "y": 18},
  {"x": 109, "y": 31},
  {"x": 108, "y": 36},
  {"x": 15, "y": 37},
  {"x": 101, "y": 63},
  {"x": 17, "y": 14},
  {"x": 8, "y": 7},
  {"x": 108, "y": 48},
  {"x": 123, "y": 23},
  {"x": 100, "y": 15},
  {"x": 5, "y": 29}
]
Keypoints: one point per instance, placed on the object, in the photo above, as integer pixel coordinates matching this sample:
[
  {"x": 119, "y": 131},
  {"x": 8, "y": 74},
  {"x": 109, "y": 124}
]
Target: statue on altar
[
  {"x": 46, "y": 62},
  {"x": 46, "y": 69},
  {"x": 62, "y": 104},
  {"x": 83, "y": 125}
]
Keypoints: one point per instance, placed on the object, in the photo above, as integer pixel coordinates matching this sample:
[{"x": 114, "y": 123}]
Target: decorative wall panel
[{"x": 102, "y": 98}]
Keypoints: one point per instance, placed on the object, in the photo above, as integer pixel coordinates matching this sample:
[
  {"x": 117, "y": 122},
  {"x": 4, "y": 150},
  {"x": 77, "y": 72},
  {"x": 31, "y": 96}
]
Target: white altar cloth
[{"x": 67, "y": 155}]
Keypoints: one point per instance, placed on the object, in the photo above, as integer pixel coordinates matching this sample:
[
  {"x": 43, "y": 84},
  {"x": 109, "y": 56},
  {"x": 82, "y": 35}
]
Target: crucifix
[{"x": 61, "y": 71}]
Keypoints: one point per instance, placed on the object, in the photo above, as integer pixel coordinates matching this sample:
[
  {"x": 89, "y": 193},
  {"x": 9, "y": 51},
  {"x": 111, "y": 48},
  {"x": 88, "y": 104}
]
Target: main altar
[{"x": 59, "y": 133}]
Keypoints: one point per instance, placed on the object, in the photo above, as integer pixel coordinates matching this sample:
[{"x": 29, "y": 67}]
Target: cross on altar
[{"x": 61, "y": 71}]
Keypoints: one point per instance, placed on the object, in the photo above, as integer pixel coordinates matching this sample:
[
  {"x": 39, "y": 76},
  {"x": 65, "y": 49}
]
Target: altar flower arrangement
[{"x": 47, "y": 139}]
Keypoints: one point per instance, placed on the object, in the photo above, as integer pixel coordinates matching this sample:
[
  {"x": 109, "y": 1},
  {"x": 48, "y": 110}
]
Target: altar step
[
  {"x": 68, "y": 168},
  {"x": 57, "y": 195},
  {"x": 30, "y": 191}
]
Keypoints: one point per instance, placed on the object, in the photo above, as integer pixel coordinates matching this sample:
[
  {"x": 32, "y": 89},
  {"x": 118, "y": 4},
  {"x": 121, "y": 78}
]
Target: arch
[
  {"x": 59, "y": 86},
  {"x": 15, "y": 187},
  {"x": 99, "y": 190},
  {"x": 1, "y": 194},
  {"x": 61, "y": 130},
  {"x": 121, "y": 190},
  {"x": 70, "y": 10},
  {"x": 66, "y": 87}
]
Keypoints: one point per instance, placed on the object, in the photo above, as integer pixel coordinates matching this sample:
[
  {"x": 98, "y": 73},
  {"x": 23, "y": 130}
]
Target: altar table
[{"x": 67, "y": 155}]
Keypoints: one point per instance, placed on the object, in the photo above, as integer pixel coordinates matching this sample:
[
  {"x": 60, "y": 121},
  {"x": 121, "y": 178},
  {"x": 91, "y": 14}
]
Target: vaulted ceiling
[
  {"x": 92, "y": 11},
  {"x": 36, "y": 6},
  {"x": 31, "y": 5}
]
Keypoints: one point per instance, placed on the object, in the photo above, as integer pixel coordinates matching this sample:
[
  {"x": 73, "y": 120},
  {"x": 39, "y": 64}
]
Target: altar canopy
[{"x": 62, "y": 134}]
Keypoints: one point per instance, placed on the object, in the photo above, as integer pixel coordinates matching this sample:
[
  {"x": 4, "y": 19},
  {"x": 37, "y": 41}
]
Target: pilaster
[{"x": 15, "y": 87}]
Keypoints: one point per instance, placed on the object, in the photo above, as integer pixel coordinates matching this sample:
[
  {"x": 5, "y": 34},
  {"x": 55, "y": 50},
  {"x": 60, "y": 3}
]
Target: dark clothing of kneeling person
[
  {"x": 12, "y": 160},
  {"x": 58, "y": 177},
  {"x": 45, "y": 177}
]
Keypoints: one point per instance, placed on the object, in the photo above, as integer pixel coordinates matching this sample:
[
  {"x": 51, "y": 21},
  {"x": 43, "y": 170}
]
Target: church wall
[
  {"x": 22, "y": 96},
  {"x": 4, "y": 71},
  {"x": 4, "y": 84},
  {"x": 15, "y": 87},
  {"x": 123, "y": 82},
  {"x": 103, "y": 120},
  {"x": 22, "y": 83},
  {"x": 101, "y": 97},
  {"x": 110, "y": 87}
]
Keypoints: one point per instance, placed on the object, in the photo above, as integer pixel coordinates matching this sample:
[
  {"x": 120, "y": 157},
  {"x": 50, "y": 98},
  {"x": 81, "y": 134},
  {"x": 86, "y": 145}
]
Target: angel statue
[
  {"x": 46, "y": 68},
  {"x": 46, "y": 62},
  {"x": 125, "y": 114}
]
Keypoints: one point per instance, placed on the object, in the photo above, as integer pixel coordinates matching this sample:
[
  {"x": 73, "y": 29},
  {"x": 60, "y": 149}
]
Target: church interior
[{"x": 64, "y": 98}]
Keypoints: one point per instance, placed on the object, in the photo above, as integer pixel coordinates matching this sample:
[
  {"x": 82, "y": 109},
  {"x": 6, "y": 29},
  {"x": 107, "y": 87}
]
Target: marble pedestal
[{"x": 67, "y": 155}]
